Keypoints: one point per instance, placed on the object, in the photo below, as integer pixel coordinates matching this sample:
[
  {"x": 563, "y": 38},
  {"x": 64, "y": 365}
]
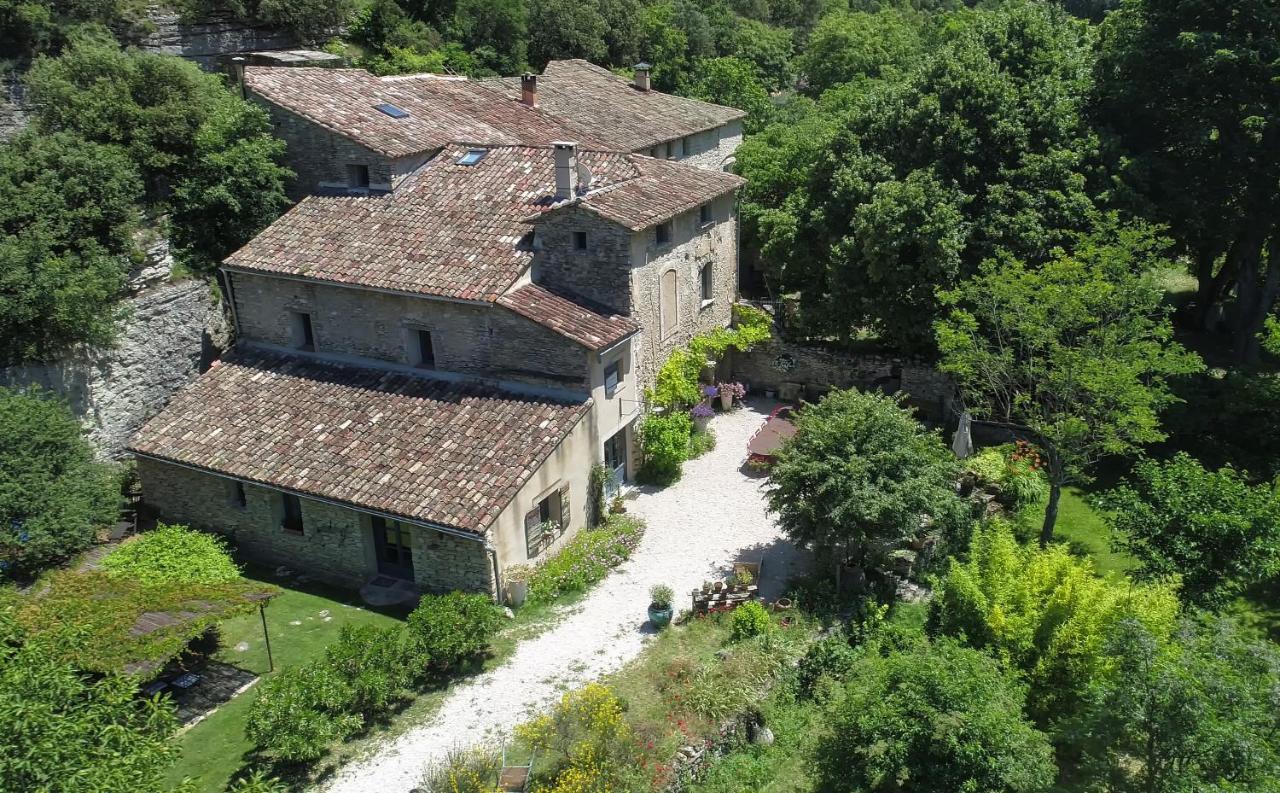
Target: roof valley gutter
[{"x": 426, "y": 524}]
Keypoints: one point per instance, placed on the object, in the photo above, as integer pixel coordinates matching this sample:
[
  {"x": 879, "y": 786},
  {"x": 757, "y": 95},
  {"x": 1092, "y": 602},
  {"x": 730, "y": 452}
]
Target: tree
[
  {"x": 851, "y": 46},
  {"x": 768, "y": 50},
  {"x": 983, "y": 139},
  {"x": 1076, "y": 354},
  {"x": 664, "y": 44},
  {"x": 500, "y": 26},
  {"x": 310, "y": 20},
  {"x": 732, "y": 82},
  {"x": 565, "y": 29},
  {"x": 67, "y": 215},
  {"x": 186, "y": 131},
  {"x": 944, "y": 719},
  {"x": 1212, "y": 528},
  {"x": 53, "y": 494},
  {"x": 1042, "y": 612},
  {"x": 1191, "y": 91},
  {"x": 233, "y": 187},
  {"x": 62, "y": 731},
  {"x": 1198, "y": 713},
  {"x": 862, "y": 472},
  {"x": 622, "y": 25}
]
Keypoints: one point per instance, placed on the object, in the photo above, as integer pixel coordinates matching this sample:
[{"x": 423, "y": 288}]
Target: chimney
[
  {"x": 566, "y": 154},
  {"x": 642, "y": 76},
  {"x": 529, "y": 89},
  {"x": 237, "y": 70}
]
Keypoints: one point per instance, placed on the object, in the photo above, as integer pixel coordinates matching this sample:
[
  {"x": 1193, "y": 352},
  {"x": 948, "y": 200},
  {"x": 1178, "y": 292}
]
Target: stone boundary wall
[
  {"x": 818, "y": 369},
  {"x": 171, "y": 333}
]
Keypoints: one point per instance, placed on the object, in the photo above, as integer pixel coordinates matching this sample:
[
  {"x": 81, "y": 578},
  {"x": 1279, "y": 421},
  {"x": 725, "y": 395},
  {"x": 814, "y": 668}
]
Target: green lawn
[
  {"x": 1082, "y": 529},
  {"x": 213, "y": 750}
]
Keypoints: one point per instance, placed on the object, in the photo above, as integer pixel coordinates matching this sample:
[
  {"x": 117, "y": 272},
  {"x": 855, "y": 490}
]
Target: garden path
[{"x": 697, "y": 528}]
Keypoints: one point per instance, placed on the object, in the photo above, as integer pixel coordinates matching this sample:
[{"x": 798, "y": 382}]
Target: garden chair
[{"x": 514, "y": 778}]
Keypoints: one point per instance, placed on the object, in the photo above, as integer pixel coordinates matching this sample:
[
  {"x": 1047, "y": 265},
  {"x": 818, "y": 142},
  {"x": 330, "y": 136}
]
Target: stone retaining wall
[{"x": 818, "y": 370}]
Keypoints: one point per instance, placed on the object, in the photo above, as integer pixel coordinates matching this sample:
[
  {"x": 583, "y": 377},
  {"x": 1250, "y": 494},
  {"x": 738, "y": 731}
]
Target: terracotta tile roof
[
  {"x": 441, "y": 110},
  {"x": 594, "y": 100},
  {"x": 662, "y": 190},
  {"x": 459, "y": 231},
  {"x": 442, "y": 452},
  {"x": 576, "y": 323}
]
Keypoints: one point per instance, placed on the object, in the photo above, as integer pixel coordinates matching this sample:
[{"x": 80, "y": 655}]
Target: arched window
[{"x": 668, "y": 305}]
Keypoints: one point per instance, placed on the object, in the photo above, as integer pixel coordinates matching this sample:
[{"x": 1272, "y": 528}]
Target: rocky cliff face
[
  {"x": 14, "y": 112},
  {"x": 171, "y": 333},
  {"x": 204, "y": 40}
]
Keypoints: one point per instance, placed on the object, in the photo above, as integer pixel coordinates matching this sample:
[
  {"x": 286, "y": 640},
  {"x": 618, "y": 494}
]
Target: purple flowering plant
[
  {"x": 702, "y": 411},
  {"x": 710, "y": 391}
]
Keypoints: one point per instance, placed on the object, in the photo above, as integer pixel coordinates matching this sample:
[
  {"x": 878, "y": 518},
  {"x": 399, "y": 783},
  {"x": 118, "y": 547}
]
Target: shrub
[
  {"x": 453, "y": 628},
  {"x": 172, "y": 553},
  {"x": 257, "y": 782},
  {"x": 53, "y": 493},
  {"x": 1016, "y": 469},
  {"x": 587, "y": 729},
  {"x": 661, "y": 595},
  {"x": 471, "y": 770},
  {"x": 298, "y": 714},
  {"x": 700, "y": 443},
  {"x": 749, "y": 619},
  {"x": 378, "y": 664},
  {"x": 586, "y": 559},
  {"x": 828, "y": 660},
  {"x": 664, "y": 445}
]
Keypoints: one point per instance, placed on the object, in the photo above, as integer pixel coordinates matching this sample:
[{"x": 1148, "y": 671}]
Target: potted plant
[
  {"x": 742, "y": 579},
  {"x": 729, "y": 393},
  {"x": 618, "y": 506},
  {"x": 518, "y": 576},
  {"x": 709, "y": 392},
  {"x": 701, "y": 414},
  {"x": 660, "y": 597}
]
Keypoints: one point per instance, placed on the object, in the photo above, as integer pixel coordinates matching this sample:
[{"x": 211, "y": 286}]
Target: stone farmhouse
[{"x": 454, "y": 325}]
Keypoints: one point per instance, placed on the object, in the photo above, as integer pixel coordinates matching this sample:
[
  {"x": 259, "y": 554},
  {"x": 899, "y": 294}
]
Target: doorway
[
  {"x": 615, "y": 459},
  {"x": 394, "y": 546}
]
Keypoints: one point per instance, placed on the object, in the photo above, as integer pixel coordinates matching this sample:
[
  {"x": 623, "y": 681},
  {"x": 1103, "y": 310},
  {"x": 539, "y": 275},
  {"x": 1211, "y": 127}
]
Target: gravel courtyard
[{"x": 712, "y": 517}]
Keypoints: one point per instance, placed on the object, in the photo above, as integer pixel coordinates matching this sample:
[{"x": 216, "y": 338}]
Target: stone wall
[
  {"x": 818, "y": 370},
  {"x": 693, "y": 245},
  {"x": 204, "y": 40},
  {"x": 599, "y": 274},
  {"x": 469, "y": 338},
  {"x": 15, "y": 114},
  {"x": 336, "y": 545},
  {"x": 712, "y": 149},
  {"x": 319, "y": 157},
  {"x": 171, "y": 333}
]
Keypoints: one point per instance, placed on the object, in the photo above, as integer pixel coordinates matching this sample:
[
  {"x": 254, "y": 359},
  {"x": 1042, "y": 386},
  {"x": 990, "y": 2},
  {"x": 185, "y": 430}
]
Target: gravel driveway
[{"x": 713, "y": 516}]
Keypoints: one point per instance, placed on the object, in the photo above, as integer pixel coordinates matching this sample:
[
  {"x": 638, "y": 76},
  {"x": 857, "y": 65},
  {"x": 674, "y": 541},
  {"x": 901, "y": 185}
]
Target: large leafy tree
[
  {"x": 1191, "y": 90},
  {"x": 68, "y": 209},
  {"x": 565, "y": 29},
  {"x": 1077, "y": 354},
  {"x": 859, "y": 475},
  {"x": 732, "y": 82},
  {"x": 54, "y": 495},
  {"x": 978, "y": 148},
  {"x": 1212, "y": 528},
  {"x": 62, "y": 731},
  {"x": 944, "y": 718},
  {"x": 854, "y": 46},
  {"x": 1043, "y": 612},
  {"x": 1193, "y": 714},
  {"x": 187, "y": 132}
]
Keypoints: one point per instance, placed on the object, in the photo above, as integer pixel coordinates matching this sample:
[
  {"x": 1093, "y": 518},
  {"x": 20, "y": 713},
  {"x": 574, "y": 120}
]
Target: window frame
[
  {"x": 580, "y": 240},
  {"x": 237, "y": 496},
  {"x": 421, "y": 360},
  {"x": 706, "y": 216},
  {"x": 666, "y": 230},
  {"x": 358, "y": 177},
  {"x": 291, "y": 503},
  {"x": 616, "y": 366},
  {"x": 303, "y": 331},
  {"x": 707, "y": 283},
  {"x": 673, "y": 314}
]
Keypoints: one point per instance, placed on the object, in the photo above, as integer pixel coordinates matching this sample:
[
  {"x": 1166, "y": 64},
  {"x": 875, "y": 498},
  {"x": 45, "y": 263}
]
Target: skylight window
[
  {"x": 392, "y": 110},
  {"x": 472, "y": 157}
]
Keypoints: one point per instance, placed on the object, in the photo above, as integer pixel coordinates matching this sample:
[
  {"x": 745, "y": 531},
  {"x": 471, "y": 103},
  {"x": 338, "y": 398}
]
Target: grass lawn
[
  {"x": 1082, "y": 529},
  {"x": 213, "y": 750}
]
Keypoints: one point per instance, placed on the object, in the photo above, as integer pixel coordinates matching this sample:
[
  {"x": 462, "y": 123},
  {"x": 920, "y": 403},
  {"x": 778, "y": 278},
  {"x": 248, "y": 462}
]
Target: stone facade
[
  {"x": 693, "y": 245},
  {"x": 818, "y": 370},
  {"x": 319, "y": 157},
  {"x": 15, "y": 113},
  {"x": 336, "y": 545},
  {"x": 170, "y": 334},
  {"x": 713, "y": 148},
  {"x": 599, "y": 275},
  {"x": 362, "y": 323}
]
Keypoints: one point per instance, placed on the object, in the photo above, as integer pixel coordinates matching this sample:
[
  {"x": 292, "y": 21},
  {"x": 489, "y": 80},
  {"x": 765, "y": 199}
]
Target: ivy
[{"x": 676, "y": 385}]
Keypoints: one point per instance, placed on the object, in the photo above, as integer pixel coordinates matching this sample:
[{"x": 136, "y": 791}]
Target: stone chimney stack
[
  {"x": 642, "y": 76},
  {"x": 237, "y": 70},
  {"x": 566, "y": 154},
  {"x": 529, "y": 89}
]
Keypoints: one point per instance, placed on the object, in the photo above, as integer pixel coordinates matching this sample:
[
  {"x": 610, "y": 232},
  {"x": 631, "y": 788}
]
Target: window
[
  {"x": 579, "y": 240},
  {"x": 546, "y": 521},
  {"x": 667, "y": 302},
  {"x": 704, "y": 214},
  {"x": 391, "y": 110},
  {"x": 304, "y": 337},
  {"x": 292, "y": 507},
  {"x": 472, "y": 157},
  {"x": 612, "y": 379},
  {"x": 424, "y": 350},
  {"x": 662, "y": 233},
  {"x": 394, "y": 546},
  {"x": 358, "y": 177},
  {"x": 707, "y": 278},
  {"x": 235, "y": 494}
]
